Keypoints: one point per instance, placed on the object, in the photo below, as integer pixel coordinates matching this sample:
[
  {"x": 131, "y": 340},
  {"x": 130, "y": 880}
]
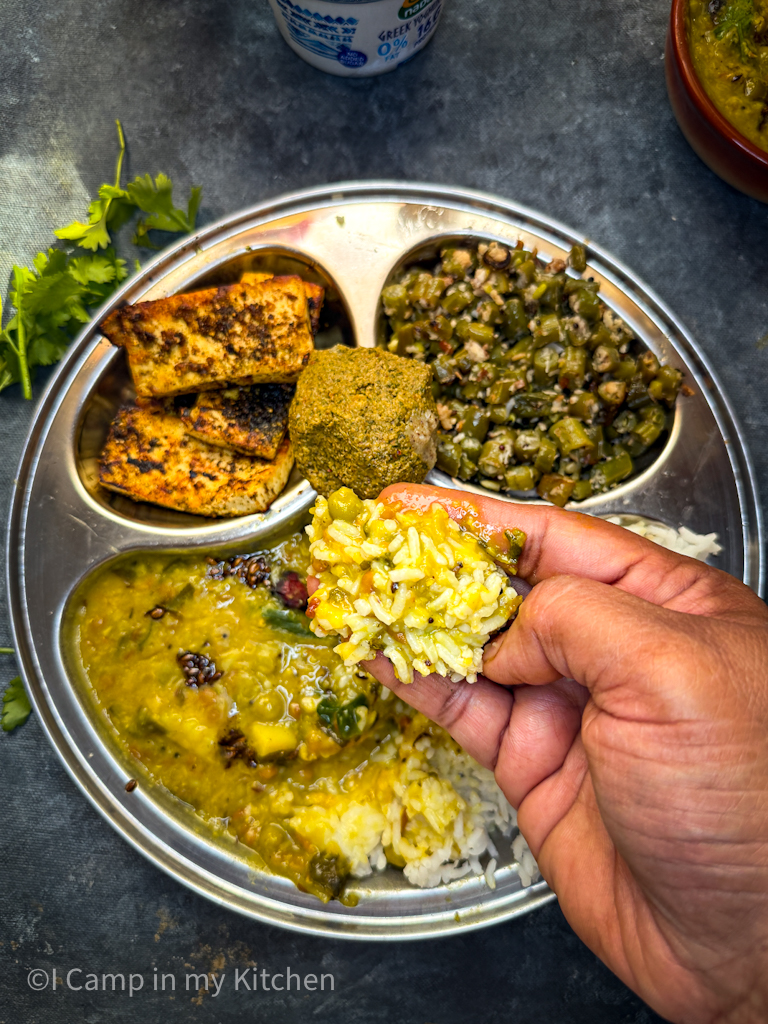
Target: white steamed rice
[{"x": 682, "y": 540}]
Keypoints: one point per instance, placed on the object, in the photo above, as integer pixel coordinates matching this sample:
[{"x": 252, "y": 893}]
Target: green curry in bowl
[{"x": 728, "y": 41}]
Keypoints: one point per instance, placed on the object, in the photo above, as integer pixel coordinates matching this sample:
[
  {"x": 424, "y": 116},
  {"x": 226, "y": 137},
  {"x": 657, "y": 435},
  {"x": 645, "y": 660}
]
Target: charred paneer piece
[
  {"x": 315, "y": 294},
  {"x": 252, "y": 420},
  {"x": 149, "y": 456},
  {"x": 243, "y": 333}
]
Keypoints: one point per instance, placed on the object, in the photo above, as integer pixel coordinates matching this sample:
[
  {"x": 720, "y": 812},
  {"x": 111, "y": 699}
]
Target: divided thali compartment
[
  {"x": 427, "y": 253},
  {"x": 232, "y": 858},
  {"x": 383, "y": 894},
  {"x": 114, "y": 388}
]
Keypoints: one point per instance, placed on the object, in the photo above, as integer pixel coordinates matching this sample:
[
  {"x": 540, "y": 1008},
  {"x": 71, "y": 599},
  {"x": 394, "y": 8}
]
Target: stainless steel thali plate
[{"x": 351, "y": 237}]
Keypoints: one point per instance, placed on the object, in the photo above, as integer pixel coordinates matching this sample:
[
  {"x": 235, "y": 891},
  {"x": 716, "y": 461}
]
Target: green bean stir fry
[{"x": 538, "y": 384}]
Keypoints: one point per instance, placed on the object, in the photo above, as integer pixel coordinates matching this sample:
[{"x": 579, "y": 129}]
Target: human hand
[{"x": 634, "y": 746}]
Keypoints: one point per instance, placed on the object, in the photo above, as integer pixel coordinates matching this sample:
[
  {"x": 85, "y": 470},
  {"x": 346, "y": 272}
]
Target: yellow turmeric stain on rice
[
  {"x": 433, "y": 593},
  {"x": 465, "y": 511}
]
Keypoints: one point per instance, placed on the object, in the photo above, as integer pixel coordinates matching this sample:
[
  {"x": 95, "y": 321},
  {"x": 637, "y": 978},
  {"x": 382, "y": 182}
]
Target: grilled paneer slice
[
  {"x": 252, "y": 420},
  {"x": 254, "y": 277},
  {"x": 315, "y": 294},
  {"x": 244, "y": 333},
  {"x": 150, "y": 457}
]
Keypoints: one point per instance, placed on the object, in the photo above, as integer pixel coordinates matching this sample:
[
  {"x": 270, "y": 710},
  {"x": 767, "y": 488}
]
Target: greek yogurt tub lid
[{"x": 357, "y": 37}]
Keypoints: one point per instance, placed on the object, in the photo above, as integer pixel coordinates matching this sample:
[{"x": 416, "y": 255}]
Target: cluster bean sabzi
[{"x": 538, "y": 383}]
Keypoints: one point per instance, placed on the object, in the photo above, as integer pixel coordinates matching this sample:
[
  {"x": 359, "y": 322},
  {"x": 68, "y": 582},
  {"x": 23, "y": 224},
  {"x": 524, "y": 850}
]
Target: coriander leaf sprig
[
  {"x": 16, "y": 706},
  {"x": 157, "y": 200},
  {"x": 109, "y": 211},
  {"x": 53, "y": 300},
  {"x": 18, "y": 346},
  {"x": 52, "y": 303},
  {"x": 116, "y": 205},
  {"x": 735, "y": 18}
]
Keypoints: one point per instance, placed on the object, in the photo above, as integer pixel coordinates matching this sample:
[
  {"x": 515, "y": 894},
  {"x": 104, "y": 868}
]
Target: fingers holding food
[
  {"x": 413, "y": 584},
  {"x": 621, "y": 648},
  {"x": 543, "y": 726},
  {"x": 523, "y": 735},
  {"x": 476, "y": 715},
  {"x": 560, "y": 542}
]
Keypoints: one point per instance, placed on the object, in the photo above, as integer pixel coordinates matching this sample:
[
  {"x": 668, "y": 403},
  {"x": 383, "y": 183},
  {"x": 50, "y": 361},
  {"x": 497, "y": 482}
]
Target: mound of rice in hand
[{"x": 415, "y": 585}]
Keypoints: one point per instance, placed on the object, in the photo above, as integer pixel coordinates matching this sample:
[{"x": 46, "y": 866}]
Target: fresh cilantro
[
  {"x": 52, "y": 303},
  {"x": 53, "y": 300},
  {"x": 110, "y": 210},
  {"x": 116, "y": 205},
  {"x": 735, "y": 19},
  {"x": 16, "y": 706},
  {"x": 156, "y": 199}
]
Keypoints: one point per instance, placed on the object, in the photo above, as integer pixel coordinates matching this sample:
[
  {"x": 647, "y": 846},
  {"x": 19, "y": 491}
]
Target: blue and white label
[{"x": 357, "y": 37}]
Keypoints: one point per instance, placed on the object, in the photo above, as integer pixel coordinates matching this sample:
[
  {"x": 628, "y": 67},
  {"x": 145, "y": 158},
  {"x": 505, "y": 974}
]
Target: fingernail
[{"x": 492, "y": 650}]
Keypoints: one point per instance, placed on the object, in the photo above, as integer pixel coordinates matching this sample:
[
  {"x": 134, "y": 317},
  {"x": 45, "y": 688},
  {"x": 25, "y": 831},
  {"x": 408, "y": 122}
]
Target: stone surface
[{"x": 561, "y": 106}]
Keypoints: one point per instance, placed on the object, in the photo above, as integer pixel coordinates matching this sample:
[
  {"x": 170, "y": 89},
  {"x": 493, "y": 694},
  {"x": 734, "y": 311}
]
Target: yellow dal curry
[{"x": 229, "y": 702}]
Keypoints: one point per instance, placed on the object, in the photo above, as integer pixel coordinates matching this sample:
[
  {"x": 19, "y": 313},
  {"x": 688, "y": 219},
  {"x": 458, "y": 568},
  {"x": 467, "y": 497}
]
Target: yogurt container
[{"x": 357, "y": 37}]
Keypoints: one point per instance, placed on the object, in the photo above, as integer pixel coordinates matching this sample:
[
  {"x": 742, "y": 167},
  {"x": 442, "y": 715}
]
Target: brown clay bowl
[{"x": 724, "y": 149}]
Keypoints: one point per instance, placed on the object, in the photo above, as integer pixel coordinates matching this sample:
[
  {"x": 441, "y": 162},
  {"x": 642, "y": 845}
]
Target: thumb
[{"x": 628, "y": 652}]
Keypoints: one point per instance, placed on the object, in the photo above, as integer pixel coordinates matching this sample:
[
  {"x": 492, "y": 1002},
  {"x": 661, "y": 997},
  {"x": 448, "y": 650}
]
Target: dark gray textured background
[{"x": 560, "y": 105}]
